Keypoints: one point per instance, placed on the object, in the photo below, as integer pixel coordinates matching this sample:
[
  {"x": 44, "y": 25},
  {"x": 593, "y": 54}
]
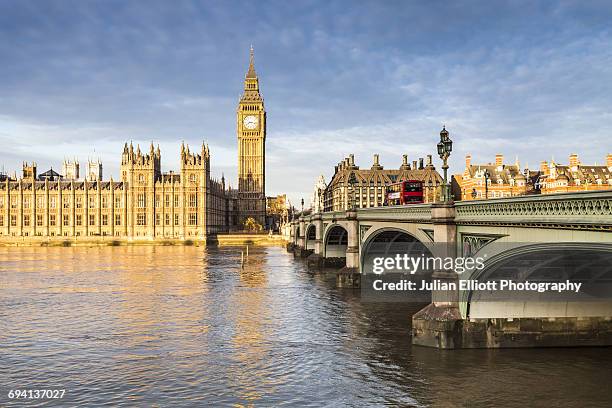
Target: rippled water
[{"x": 177, "y": 326}]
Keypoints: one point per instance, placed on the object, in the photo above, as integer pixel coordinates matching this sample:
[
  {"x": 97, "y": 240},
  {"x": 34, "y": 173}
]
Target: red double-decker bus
[{"x": 405, "y": 192}]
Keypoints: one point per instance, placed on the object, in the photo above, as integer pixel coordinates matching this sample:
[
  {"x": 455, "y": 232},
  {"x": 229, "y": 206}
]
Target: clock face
[{"x": 250, "y": 122}]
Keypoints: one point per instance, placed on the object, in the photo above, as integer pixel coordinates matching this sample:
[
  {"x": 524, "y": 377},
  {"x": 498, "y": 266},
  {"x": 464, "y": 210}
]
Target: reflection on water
[{"x": 140, "y": 326}]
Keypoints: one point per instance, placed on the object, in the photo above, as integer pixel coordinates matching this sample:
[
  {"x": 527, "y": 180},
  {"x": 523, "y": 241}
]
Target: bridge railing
[
  {"x": 581, "y": 209},
  {"x": 417, "y": 212}
]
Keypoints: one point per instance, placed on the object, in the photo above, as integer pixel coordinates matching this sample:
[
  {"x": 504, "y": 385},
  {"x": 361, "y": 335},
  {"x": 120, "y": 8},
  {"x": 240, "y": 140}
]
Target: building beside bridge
[
  {"x": 370, "y": 188},
  {"x": 502, "y": 180},
  {"x": 558, "y": 178},
  {"x": 145, "y": 203}
]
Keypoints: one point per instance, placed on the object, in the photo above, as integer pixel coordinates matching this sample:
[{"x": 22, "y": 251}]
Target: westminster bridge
[{"x": 534, "y": 237}]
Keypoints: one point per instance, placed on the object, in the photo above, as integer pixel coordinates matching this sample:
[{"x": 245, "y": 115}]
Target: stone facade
[
  {"x": 503, "y": 180},
  {"x": 144, "y": 204},
  {"x": 508, "y": 180},
  {"x": 557, "y": 178},
  {"x": 371, "y": 183}
]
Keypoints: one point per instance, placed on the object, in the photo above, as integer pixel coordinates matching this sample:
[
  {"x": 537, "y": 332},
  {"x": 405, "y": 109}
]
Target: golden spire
[{"x": 251, "y": 72}]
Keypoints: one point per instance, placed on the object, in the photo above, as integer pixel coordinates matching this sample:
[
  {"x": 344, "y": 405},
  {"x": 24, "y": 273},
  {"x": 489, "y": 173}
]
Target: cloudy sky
[{"x": 522, "y": 78}]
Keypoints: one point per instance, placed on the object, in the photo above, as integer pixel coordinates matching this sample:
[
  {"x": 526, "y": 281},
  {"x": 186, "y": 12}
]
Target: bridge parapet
[
  {"x": 583, "y": 210},
  {"x": 418, "y": 212}
]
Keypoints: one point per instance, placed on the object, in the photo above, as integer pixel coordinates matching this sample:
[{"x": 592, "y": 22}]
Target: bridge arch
[
  {"x": 335, "y": 241},
  {"x": 589, "y": 263},
  {"x": 310, "y": 237},
  {"x": 388, "y": 242}
]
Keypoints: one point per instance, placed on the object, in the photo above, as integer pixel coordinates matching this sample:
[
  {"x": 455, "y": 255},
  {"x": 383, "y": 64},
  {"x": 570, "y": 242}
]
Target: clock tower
[{"x": 251, "y": 126}]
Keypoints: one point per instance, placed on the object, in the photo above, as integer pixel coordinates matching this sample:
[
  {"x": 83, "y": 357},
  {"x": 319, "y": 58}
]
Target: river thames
[{"x": 181, "y": 326}]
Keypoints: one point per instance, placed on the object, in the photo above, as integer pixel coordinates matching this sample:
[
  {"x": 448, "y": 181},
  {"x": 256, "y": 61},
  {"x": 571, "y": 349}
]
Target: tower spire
[{"x": 251, "y": 72}]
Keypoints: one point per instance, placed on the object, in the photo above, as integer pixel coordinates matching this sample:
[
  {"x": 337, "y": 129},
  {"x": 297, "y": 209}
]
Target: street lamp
[
  {"x": 487, "y": 177},
  {"x": 302, "y": 205},
  {"x": 445, "y": 146},
  {"x": 474, "y": 194},
  {"x": 352, "y": 181}
]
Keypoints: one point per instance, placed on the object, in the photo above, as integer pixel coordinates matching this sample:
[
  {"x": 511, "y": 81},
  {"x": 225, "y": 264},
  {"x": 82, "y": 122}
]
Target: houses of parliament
[{"x": 144, "y": 203}]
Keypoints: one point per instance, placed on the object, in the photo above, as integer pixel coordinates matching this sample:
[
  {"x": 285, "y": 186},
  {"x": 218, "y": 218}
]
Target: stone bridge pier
[{"x": 529, "y": 238}]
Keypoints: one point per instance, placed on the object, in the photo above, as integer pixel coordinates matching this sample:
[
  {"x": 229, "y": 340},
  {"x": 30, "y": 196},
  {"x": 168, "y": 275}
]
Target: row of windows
[
  {"x": 66, "y": 201},
  {"x": 141, "y": 220}
]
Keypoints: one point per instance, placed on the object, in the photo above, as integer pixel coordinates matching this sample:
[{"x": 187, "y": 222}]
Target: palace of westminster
[{"x": 145, "y": 203}]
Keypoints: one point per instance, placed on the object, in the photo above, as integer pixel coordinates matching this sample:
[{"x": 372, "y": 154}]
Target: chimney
[
  {"x": 573, "y": 162},
  {"x": 352, "y": 159},
  {"x": 499, "y": 160},
  {"x": 421, "y": 163},
  {"x": 544, "y": 167},
  {"x": 414, "y": 164},
  {"x": 609, "y": 161},
  {"x": 376, "y": 165},
  {"x": 405, "y": 165},
  {"x": 468, "y": 161},
  {"x": 429, "y": 161}
]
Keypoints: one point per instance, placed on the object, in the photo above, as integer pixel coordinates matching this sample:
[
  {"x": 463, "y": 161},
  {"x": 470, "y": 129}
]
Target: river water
[{"x": 184, "y": 326}]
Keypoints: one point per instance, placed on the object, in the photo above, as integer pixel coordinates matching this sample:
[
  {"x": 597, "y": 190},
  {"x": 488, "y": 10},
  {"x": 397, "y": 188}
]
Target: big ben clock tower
[{"x": 251, "y": 128}]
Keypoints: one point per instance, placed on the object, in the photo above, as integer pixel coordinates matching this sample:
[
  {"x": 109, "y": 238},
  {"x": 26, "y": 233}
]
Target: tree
[{"x": 251, "y": 225}]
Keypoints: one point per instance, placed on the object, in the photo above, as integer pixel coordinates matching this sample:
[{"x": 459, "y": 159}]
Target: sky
[{"x": 527, "y": 79}]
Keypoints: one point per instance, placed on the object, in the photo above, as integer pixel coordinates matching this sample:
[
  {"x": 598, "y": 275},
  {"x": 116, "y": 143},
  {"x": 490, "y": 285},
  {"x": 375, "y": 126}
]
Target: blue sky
[{"x": 522, "y": 78}]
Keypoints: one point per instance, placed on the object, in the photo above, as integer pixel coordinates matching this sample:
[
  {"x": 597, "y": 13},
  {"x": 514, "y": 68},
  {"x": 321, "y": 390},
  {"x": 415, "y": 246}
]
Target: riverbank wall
[{"x": 221, "y": 239}]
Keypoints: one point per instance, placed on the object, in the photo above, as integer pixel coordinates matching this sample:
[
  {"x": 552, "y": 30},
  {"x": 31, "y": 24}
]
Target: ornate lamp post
[
  {"x": 352, "y": 181},
  {"x": 302, "y": 205},
  {"x": 487, "y": 177},
  {"x": 445, "y": 146}
]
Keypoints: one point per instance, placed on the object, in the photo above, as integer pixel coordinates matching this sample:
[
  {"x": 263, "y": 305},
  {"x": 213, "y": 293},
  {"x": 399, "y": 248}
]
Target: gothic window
[
  {"x": 52, "y": 220},
  {"x": 192, "y": 178},
  {"x": 52, "y": 202},
  {"x": 66, "y": 220},
  {"x": 193, "y": 219},
  {"x": 117, "y": 202},
  {"x": 176, "y": 219},
  {"x": 142, "y": 201},
  {"x": 167, "y": 200},
  {"x": 104, "y": 219},
  {"x": 40, "y": 202},
  {"x": 117, "y": 219},
  {"x": 193, "y": 200},
  {"x": 141, "y": 219},
  {"x": 167, "y": 219},
  {"x": 39, "y": 220},
  {"x": 13, "y": 220},
  {"x": 79, "y": 219},
  {"x": 92, "y": 202},
  {"x": 157, "y": 219},
  {"x": 92, "y": 219},
  {"x": 104, "y": 202},
  {"x": 78, "y": 202},
  {"x": 26, "y": 202},
  {"x": 141, "y": 178},
  {"x": 176, "y": 201}
]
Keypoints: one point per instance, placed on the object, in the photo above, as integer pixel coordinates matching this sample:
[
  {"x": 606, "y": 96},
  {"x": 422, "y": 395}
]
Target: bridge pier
[
  {"x": 350, "y": 275},
  {"x": 436, "y": 324},
  {"x": 316, "y": 259}
]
